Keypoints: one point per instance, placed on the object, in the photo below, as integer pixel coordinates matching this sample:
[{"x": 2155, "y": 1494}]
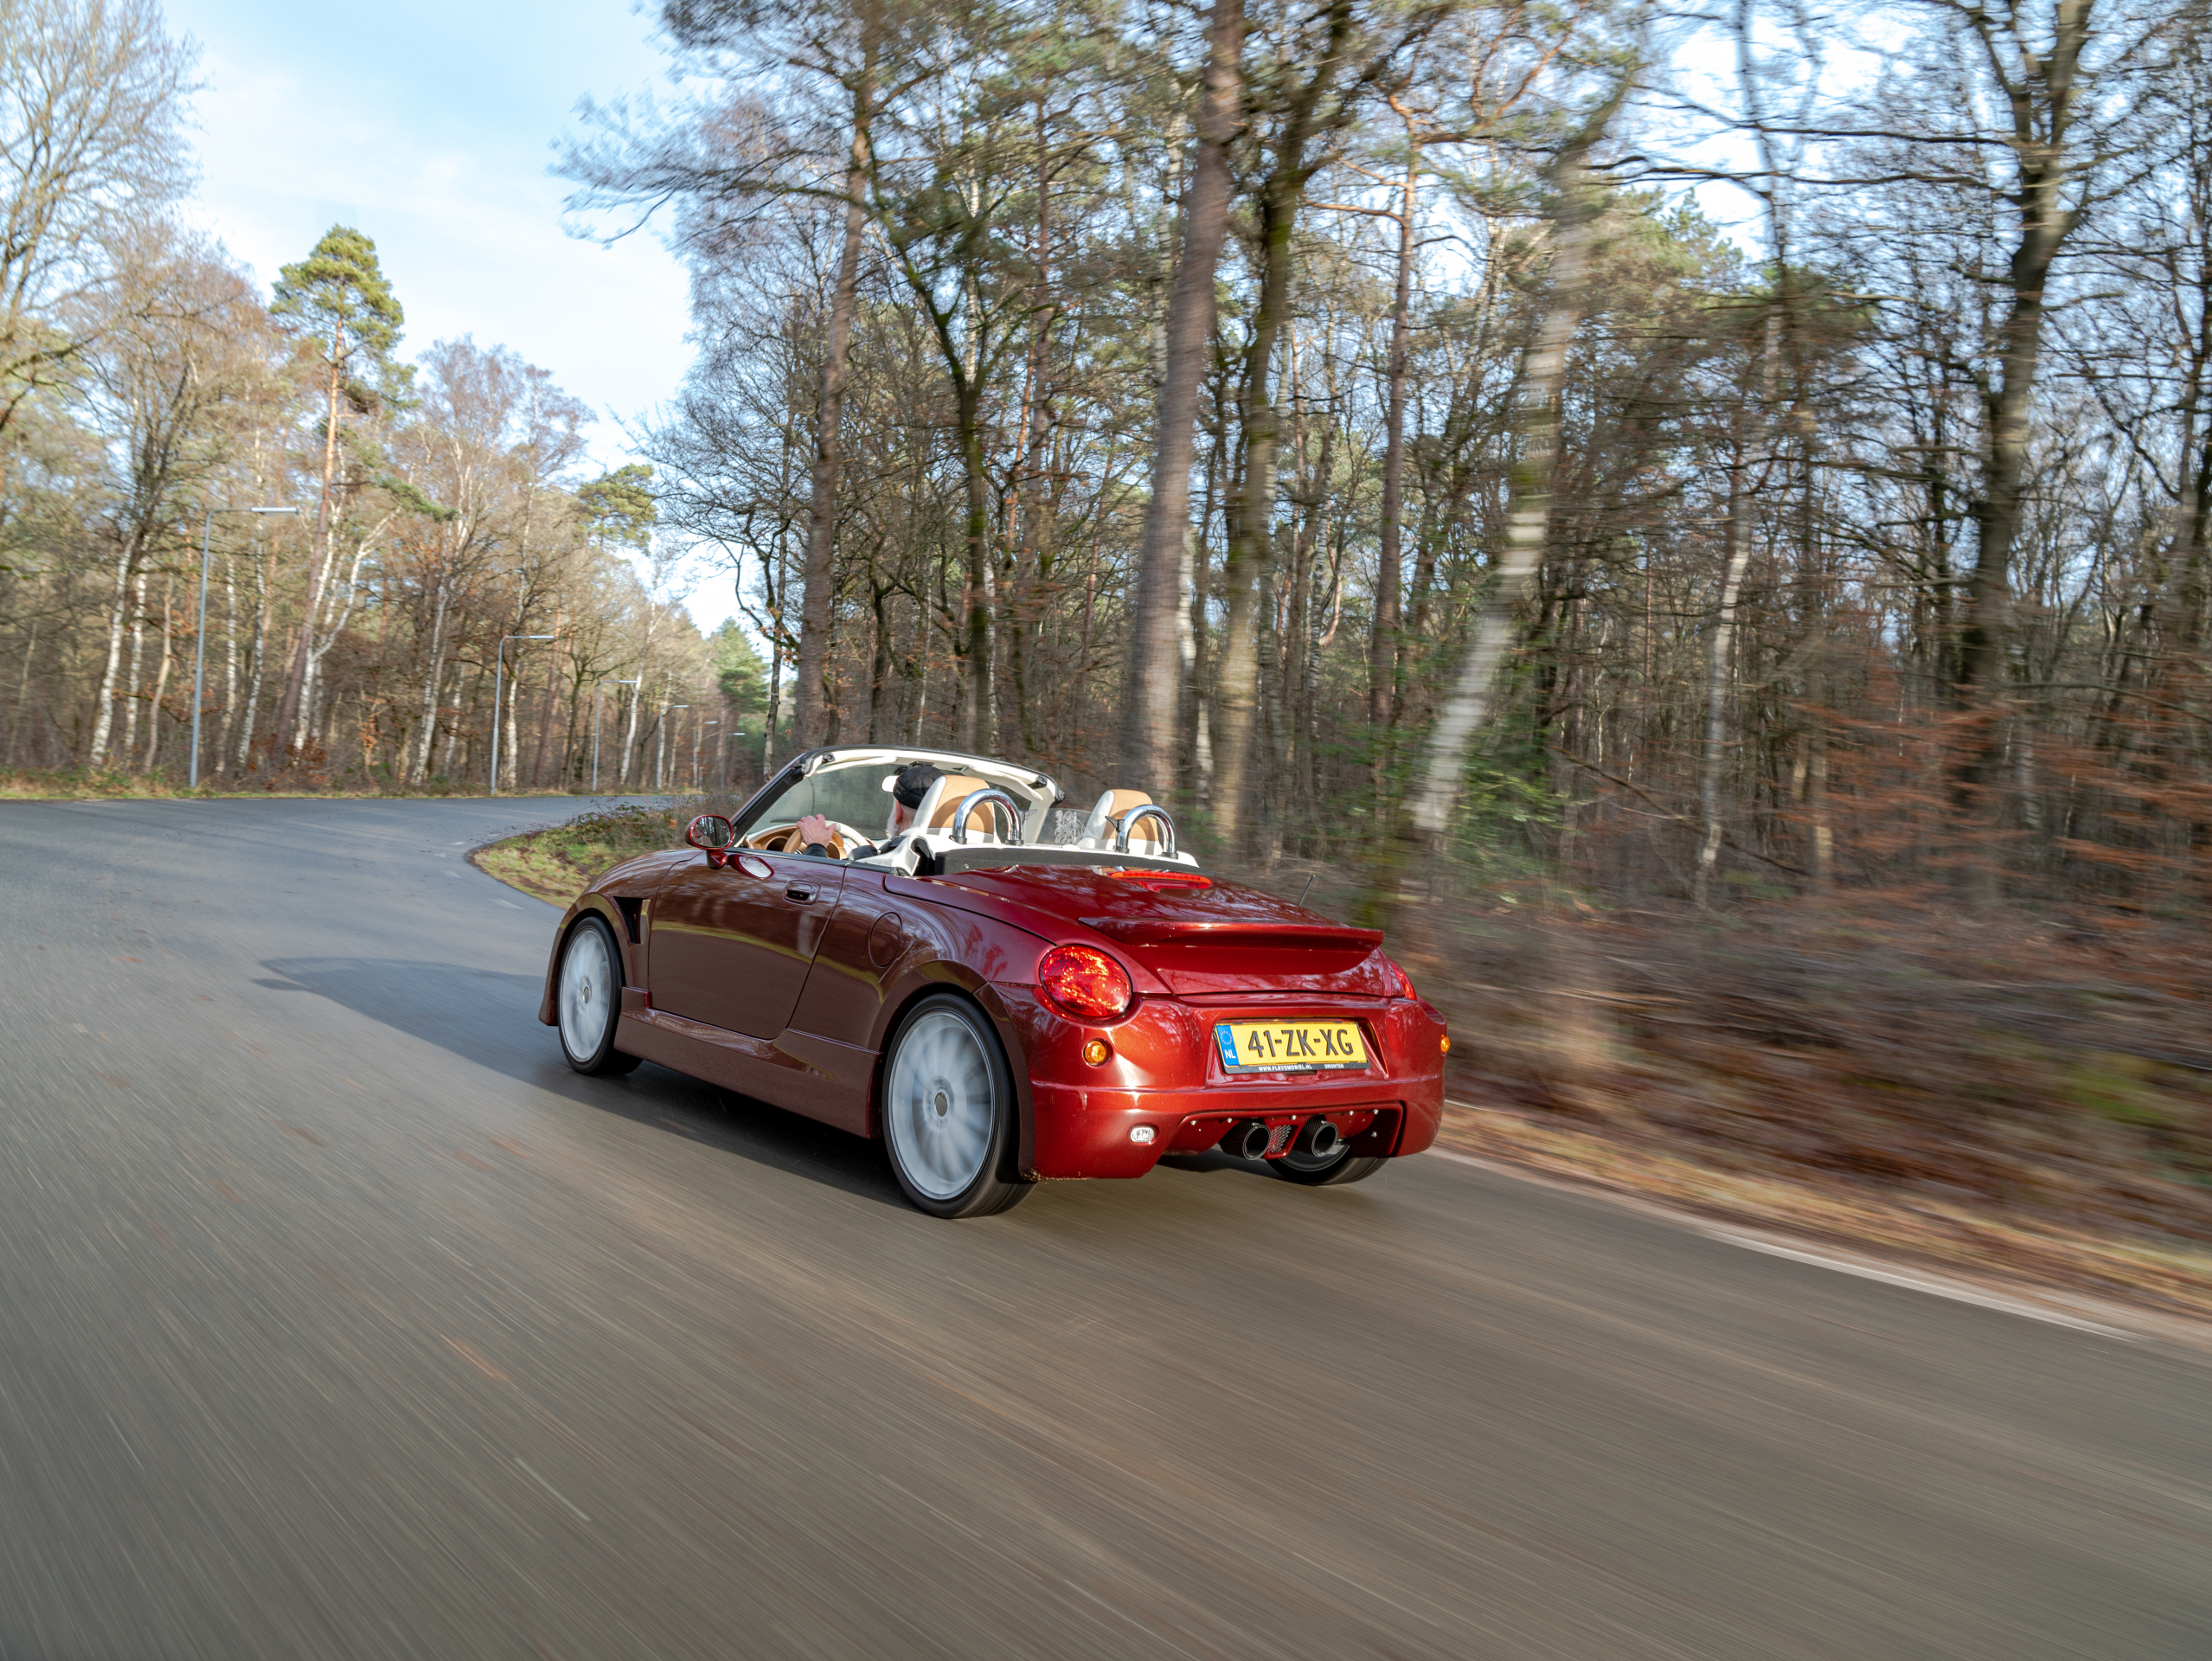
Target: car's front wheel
[
  {"x": 948, "y": 1111},
  {"x": 588, "y": 999}
]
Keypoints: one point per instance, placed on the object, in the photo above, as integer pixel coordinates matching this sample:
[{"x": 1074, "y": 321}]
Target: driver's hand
[{"x": 814, "y": 831}]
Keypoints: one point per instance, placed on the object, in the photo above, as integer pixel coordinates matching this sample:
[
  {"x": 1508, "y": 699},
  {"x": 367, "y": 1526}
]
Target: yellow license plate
[{"x": 1289, "y": 1046}]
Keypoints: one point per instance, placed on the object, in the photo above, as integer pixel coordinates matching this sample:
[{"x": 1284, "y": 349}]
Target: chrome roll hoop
[
  {"x": 1148, "y": 810},
  {"x": 997, "y": 799}
]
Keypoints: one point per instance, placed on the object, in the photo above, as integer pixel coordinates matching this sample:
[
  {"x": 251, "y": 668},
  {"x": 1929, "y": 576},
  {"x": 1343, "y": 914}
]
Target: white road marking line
[
  {"x": 550, "y": 1488},
  {"x": 1936, "y": 1285},
  {"x": 1928, "y": 1283},
  {"x": 510, "y": 904}
]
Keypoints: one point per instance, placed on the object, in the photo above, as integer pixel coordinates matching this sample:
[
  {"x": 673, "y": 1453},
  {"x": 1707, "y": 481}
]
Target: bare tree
[{"x": 92, "y": 99}]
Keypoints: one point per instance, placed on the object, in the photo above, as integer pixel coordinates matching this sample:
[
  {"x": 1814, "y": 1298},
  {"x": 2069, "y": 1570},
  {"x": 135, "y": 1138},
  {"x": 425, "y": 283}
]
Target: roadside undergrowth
[
  {"x": 559, "y": 862},
  {"x": 2029, "y": 1096}
]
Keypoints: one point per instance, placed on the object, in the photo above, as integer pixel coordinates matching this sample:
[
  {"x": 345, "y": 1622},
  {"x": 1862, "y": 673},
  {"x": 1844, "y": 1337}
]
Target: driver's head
[{"x": 908, "y": 791}]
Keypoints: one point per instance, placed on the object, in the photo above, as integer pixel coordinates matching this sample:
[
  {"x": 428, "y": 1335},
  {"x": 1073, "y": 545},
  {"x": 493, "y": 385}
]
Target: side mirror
[{"x": 709, "y": 832}]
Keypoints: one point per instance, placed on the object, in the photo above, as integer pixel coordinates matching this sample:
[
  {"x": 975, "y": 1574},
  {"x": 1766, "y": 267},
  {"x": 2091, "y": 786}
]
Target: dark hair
[{"x": 914, "y": 785}]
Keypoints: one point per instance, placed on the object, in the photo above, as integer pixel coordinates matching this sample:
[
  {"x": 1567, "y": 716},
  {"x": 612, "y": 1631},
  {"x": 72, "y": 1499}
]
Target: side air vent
[{"x": 631, "y": 907}]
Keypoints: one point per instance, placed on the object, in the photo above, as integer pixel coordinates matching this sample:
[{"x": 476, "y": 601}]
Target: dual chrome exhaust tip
[{"x": 1250, "y": 1139}]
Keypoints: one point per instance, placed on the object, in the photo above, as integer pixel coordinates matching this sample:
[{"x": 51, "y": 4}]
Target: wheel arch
[
  {"x": 978, "y": 991},
  {"x": 589, "y": 905}
]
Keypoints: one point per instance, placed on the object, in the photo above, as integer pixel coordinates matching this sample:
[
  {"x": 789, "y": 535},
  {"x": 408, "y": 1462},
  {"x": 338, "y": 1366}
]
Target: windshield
[{"x": 851, "y": 796}]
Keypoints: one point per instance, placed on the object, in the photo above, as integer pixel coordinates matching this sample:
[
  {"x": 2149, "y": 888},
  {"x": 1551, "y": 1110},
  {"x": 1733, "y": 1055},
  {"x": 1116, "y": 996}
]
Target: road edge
[{"x": 1844, "y": 1253}]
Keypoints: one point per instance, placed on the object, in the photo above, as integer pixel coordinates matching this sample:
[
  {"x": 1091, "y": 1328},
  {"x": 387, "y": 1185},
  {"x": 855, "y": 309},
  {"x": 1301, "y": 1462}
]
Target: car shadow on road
[{"x": 489, "y": 1018}]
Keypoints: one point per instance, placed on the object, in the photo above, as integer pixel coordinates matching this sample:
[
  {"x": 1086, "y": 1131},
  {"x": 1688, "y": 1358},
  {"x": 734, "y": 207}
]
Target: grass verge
[{"x": 558, "y": 862}]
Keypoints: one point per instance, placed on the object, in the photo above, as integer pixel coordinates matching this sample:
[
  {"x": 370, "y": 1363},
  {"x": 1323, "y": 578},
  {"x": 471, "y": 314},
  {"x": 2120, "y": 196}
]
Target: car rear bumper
[
  {"x": 1087, "y": 1132},
  {"x": 1163, "y": 1075}
]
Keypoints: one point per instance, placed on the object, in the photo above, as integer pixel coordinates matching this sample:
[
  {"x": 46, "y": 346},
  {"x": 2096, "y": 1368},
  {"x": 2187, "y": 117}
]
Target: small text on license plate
[{"x": 1288, "y": 1046}]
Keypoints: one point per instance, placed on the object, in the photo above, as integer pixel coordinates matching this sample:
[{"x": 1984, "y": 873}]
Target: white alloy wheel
[
  {"x": 587, "y": 997},
  {"x": 939, "y": 1107}
]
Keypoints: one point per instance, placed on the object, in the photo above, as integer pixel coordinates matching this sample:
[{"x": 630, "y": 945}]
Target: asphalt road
[{"x": 338, "y": 1318}]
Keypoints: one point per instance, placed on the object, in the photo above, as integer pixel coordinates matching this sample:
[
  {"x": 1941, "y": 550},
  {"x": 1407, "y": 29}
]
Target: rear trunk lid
[{"x": 1196, "y": 934}]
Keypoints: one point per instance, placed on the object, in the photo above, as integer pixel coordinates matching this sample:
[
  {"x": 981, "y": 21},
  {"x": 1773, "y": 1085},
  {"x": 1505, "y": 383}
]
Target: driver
[{"x": 906, "y": 793}]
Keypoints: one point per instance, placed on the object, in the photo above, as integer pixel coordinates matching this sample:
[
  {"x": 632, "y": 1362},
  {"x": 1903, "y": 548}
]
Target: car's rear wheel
[
  {"x": 1331, "y": 1170},
  {"x": 587, "y": 999},
  {"x": 948, "y": 1111}
]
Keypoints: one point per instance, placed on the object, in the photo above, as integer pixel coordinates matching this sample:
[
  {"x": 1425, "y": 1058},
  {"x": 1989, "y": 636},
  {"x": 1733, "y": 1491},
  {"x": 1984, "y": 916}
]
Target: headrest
[
  {"x": 945, "y": 798},
  {"x": 1107, "y": 813}
]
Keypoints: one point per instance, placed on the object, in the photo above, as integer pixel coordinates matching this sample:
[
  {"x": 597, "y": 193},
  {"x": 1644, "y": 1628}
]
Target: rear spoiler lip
[{"x": 1165, "y": 930}]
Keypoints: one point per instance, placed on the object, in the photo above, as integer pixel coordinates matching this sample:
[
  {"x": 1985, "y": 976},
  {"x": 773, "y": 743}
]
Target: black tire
[
  {"x": 587, "y": 999},
  {"x": 947, "y": 1105},
  {"x": 1333, "y": 1174}
]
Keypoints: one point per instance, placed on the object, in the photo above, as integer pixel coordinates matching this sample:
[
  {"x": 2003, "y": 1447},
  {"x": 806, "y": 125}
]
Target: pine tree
[{"x": 337, "y": 298}]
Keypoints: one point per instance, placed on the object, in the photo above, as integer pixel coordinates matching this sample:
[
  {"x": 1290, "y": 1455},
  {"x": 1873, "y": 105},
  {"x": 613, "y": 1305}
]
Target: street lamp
[
  {"x": 599, "y": 693},
  {"x": 200, "y": 640},
  {"x": 498, "y": 678}
]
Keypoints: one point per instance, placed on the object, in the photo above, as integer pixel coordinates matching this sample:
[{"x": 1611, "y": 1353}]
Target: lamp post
[
  {"x": 200, "y": 640},
  {"x": 498, "y": 680},
  {"x": 599, "y": 693}
]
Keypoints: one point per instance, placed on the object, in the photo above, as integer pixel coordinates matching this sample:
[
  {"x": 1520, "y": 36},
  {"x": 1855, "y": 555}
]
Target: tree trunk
[
  {"x": 2042, "y": 108},
  {"x": 318, "y": 557},
  {"x": 809, "y": 696},
  {"x": 1152, "y": 695},
  {"x": 264, "y": 583},
  {"x": 118, "y": 610},
  {"x": 975, "y": 598},
  {"x": 420, "y": 768},
  {"x": 629, "y": 733},
  {"x": 221, "y": 747},
  {"x": 548, "y": 705},
  {"x": 1382, "y": 650},
  {"x": 161, "y": 684},
  {"x": 1572, "y": 213},
  {"x": 1737, "y": 555}
]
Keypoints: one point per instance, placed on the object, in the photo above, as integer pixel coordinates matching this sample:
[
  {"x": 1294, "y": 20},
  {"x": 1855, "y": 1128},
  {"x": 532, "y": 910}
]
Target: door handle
[{"x": 799, "y": 891}]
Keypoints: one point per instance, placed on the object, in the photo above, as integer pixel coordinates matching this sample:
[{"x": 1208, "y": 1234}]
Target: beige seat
[
  {"x": 935, "y": 814},
  {"x": 1103, "y": 826}
]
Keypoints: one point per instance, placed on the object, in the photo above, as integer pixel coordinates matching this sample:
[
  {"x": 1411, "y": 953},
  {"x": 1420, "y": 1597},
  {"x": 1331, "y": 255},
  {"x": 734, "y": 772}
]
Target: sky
[{"x": 429, "y": 127}]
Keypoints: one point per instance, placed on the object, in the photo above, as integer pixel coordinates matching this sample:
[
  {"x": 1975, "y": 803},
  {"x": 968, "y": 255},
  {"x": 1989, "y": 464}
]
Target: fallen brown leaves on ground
[{"x": 2028, "y": 1095}]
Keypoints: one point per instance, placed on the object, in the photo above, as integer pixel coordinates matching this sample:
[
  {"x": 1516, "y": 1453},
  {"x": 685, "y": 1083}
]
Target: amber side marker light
[
  {"x": 1096, "y": 1052},
  {"x": 1444, "y": 1045}
]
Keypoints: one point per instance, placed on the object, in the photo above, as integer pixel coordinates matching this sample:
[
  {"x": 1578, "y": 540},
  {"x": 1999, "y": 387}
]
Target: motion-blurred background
[{"x": 1699, "y": 526}]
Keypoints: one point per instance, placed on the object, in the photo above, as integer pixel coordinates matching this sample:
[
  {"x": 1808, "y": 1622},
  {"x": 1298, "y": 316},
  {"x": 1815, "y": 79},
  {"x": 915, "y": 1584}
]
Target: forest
[
  {"x": 1696, "y": 520},
  {"x": 387, "y": 540},
  {"x": 1768, "y": 451}
]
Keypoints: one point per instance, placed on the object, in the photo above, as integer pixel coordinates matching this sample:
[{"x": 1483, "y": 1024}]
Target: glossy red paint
[{"x": 785, "y": 988}]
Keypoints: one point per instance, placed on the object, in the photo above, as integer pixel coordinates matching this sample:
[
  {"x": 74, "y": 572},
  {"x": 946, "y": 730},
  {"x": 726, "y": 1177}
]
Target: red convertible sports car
[{"x": 1002, "y": 989}]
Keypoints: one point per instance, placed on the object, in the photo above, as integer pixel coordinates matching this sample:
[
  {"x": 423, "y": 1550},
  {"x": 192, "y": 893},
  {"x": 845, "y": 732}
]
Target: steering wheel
[{"x": 785, "y": 839}]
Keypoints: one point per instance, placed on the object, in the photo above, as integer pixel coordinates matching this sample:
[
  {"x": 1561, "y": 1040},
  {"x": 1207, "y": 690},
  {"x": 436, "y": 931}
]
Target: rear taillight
[
  {"x": 1084, "y": 983},
  {"x": 1401, "y": 983}
]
